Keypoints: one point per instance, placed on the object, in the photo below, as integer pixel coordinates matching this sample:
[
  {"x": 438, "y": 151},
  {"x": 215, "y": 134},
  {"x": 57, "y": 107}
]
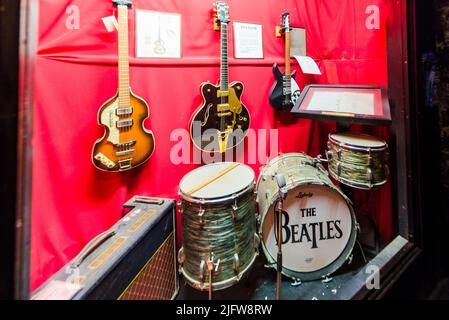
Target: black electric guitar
[
  {"x": 222, "y": 121},
  {"x": 285, "y": 91}
]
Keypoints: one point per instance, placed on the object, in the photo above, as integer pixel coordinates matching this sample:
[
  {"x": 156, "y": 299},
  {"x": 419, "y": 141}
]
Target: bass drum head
[
  {"x": 238, "y": 180},
  {"x": 318, "y": 232}
]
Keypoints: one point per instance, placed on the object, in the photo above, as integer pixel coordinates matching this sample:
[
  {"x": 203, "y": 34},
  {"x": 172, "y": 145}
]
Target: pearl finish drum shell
[
  {"x": 358, "y": 160},
  {"x": 228, "y": 217}
]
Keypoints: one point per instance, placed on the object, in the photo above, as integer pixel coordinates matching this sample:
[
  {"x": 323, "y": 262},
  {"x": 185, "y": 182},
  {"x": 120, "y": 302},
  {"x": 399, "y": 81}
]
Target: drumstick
[{"x": 213, "y": 178}]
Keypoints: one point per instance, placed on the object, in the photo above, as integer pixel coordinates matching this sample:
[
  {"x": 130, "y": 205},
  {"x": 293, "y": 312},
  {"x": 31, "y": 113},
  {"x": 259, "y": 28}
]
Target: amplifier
[{"x": 134, "y": 260}]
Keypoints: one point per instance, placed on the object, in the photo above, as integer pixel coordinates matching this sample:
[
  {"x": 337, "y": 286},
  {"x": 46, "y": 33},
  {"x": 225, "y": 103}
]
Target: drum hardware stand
[
  {"x": 211, "y": 267},
  {"x": 280, "y": 179}
]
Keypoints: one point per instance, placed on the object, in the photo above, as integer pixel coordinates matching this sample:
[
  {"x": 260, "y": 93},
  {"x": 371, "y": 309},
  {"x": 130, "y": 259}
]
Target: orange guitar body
[{"x": 127, "y": 147}]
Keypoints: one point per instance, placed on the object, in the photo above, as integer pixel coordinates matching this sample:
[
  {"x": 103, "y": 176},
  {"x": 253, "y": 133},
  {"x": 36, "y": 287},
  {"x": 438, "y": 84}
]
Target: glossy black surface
[{"x": 277, "y": 97}]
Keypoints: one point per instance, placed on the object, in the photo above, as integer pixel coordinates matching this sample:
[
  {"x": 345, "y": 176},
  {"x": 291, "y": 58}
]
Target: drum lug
[
  {"x": 256, "y": 242},
  {"x": 339, "y": 154},
  {"x": 201, "y": 216},
  {"x": 339, "y": 169},
  {"x": 369, "y": 176},
  {"x": 212, "y": 264},
  {"x": 296, "y": 282},
  {"x": 291, "y": 177},
  {"x": 202, "y": 272},
  {"x": 236, "y": 265},
  {"x": 235, "y": 208},
  {"x": 327, "y": 279},
  {"x": 181, "y": 259},
  {"x": 234, "y": 212},
  {"x": 370, "y": 157},
  {"x": 180, "y": 206},
  {"x": 351, "y": 256}
]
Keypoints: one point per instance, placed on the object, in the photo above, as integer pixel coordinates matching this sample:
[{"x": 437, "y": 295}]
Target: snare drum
[
  {"x": 219, "y": 240},
  {"x": 358, "y": 160},
  {"x": 318, "y": 222}
]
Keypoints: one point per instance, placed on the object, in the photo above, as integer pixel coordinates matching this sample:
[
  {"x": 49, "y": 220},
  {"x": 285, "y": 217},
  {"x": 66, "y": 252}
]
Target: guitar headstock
[
  {"x": 221, "y": 14},
  {"x": 285, "y": 22},
  {"x": 127, "y": 3}
]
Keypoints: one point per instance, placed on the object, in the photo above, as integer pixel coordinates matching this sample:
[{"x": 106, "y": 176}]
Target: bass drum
[{"x": 318, "y": 224}]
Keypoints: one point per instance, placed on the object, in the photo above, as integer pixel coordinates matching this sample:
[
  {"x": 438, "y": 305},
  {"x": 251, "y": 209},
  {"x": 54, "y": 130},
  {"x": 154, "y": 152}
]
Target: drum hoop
[
  {"x": 276, "y": 160},
  {"x": 354, "y": 147},
  {"x": 310, "y": 276},
  {"x": 222, "y": 284},
  {"x": 286, "y": 156},
  {"x": 218, "y": 200}
]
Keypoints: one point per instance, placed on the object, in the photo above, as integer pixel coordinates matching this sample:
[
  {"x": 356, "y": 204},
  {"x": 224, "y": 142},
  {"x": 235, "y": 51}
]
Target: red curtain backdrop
[{"x": 76, "y": 73}]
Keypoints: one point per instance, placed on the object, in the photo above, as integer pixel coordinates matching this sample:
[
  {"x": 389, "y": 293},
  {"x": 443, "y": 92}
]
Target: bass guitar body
[
  {"x": 278, "y": 95},
  {"x": 221, "y": 122},
  {"x": 126, "y": 143}
]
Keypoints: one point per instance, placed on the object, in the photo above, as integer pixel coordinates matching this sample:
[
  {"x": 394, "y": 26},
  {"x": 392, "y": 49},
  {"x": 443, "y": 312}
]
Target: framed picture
[
  {"x": 353, "y": 104},
  {"x": 158, "y": 34},
  {"x": 248, "y": 41}
]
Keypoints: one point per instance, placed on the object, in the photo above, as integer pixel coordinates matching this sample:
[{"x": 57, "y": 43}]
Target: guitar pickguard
[
  {"x": 235, "y": 104},
  {"x": 109, "y": 119}
]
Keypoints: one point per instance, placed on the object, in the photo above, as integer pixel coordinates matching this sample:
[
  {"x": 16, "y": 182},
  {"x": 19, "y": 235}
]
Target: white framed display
[
  {"x": 158, "y": 34},
  {"x": 248, "y": 41}
]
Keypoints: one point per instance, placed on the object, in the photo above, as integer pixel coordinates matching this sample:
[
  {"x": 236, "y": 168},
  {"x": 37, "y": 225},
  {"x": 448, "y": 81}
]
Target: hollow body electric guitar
[
  {"x": 126, "y": 144},
  {"x": 285, "y": 91},
  {"x": 222, "y": 121}
]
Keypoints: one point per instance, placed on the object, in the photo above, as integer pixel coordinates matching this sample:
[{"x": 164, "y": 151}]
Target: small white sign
[
  {"x": 248, "y": 43},
  {"x": 110, "y": 23},
  {"x": 308, "y": 65},
  {"x": 158, "y": 34}
]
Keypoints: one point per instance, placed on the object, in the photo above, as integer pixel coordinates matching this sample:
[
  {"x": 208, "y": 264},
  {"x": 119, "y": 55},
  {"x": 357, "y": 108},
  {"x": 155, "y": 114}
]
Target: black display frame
[{"x": 385, "y": 119}]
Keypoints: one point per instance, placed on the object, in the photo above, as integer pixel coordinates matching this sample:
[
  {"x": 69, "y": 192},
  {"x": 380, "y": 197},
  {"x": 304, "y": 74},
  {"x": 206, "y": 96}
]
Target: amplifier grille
[{"x": 157, "y": 279}]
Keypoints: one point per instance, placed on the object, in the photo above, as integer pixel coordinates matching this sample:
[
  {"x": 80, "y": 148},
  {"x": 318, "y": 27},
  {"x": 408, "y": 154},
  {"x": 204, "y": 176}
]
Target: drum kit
[{"x": 303, "y": 222}]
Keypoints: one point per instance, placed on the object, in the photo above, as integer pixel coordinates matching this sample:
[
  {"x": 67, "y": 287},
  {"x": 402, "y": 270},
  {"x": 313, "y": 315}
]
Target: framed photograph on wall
[
  {"x": 158, "y": 34},
  {"x": 248, "y": 41}
]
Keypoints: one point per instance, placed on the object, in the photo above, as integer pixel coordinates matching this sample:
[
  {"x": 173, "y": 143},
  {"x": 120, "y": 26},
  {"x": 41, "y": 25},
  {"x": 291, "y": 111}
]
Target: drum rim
[
  {"x": 330, "y": 268},
  {"x": 217, "y": 286},
  {"x": 354, "y": 147},
  {"x": 218, "y": 200},
  {"x": 223, "y": 199},
  {"x": 277, "y": 159}
]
